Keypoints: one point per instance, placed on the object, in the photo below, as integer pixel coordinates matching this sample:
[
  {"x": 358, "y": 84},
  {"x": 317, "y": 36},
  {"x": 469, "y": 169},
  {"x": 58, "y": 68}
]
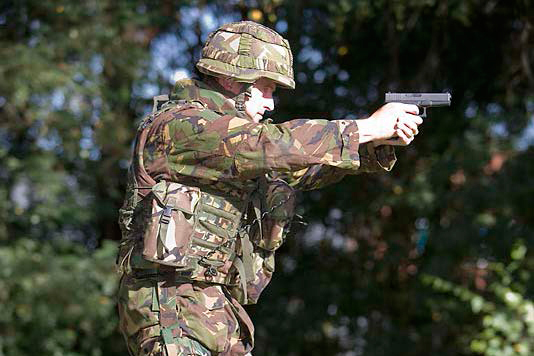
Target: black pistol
[{"x": 423, "y": 100}]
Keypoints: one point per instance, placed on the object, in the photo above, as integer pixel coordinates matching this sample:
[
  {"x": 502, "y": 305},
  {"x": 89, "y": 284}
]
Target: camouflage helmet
[{"x": 248, "y": 51}]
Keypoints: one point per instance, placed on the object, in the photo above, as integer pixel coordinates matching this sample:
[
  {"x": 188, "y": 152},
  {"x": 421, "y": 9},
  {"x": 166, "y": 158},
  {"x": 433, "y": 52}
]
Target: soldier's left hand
[{"x": 405, "y": 132}]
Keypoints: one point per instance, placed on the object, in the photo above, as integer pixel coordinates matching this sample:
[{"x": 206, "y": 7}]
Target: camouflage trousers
[{"x": 175, "y": 318}]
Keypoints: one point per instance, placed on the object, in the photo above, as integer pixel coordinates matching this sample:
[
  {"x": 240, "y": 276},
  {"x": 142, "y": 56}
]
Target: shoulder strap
[
  {"x": 168, "y": 318},
  {"x": 143, "y": 180}
]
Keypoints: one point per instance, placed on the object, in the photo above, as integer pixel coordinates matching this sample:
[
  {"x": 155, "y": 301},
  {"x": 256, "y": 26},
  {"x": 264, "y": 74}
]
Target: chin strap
[{"x": 239, "y": 99}]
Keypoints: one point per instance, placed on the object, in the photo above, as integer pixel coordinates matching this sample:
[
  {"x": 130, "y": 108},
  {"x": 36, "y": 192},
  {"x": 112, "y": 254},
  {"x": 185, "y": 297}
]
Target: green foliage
[
  {"x": 507, "y": 316},
  {"x": 59, "y": 299}
]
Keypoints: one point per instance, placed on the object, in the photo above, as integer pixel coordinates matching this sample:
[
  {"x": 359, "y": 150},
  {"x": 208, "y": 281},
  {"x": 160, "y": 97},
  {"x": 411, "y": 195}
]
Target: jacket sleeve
[
  {"x": 236, "y": 148},
  {"x": 372, "y": 159}
]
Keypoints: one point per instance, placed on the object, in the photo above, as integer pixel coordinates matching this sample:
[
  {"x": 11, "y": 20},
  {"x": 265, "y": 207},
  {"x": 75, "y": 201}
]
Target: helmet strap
[{"x": 239, "y": 99}]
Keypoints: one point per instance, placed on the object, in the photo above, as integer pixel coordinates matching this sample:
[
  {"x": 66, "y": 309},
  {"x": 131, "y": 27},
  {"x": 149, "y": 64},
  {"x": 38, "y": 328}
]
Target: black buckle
[{"x": 211, "y": 272}]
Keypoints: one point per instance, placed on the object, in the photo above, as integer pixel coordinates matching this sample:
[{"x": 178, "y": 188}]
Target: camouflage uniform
[{"x": 201, "y": 171}]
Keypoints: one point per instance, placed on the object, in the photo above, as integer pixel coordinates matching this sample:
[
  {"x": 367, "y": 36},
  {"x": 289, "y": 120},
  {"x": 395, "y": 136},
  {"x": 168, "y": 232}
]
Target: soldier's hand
[{"x": 392, "y": 124}]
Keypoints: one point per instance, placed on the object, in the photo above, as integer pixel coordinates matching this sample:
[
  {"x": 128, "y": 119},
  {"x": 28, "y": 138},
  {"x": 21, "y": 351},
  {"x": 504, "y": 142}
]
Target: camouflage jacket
[
  {"x": 200, "y": 140},
  {"x": 211, "y": 143}
]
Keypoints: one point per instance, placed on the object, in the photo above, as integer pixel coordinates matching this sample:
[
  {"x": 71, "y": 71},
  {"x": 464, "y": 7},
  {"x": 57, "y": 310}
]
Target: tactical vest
[{"x": 201, "y": 234}]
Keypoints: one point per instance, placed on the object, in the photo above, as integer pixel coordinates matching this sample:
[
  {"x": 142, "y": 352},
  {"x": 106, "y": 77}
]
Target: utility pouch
[
  {"x": 274, "y": 208},
  {"x": 278, "y": 204},
  {"x": 262, "y": 269},
  {"x": 168, "y": 231}
]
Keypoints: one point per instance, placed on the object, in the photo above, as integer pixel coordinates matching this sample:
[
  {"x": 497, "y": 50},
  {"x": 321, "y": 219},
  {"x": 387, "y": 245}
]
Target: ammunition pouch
[
  {"x": 167, "y": 237},
  {"x": 274, "y": 208},
  {"x": 277, "y": 199},
  {"x": 190, "y": 230}
]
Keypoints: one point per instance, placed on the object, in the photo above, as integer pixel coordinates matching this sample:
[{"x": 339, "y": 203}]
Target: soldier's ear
[{"x": 230, "y": 84}]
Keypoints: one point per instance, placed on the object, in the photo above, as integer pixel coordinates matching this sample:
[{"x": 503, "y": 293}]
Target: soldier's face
[{"x": 261, "y": 99}]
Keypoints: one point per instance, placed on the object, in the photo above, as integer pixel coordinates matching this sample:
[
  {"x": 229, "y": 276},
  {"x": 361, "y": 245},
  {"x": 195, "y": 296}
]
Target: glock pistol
[{"x": 423, "y": 100}]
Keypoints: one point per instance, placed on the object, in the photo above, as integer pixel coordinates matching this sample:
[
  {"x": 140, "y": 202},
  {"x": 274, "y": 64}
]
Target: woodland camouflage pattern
[
  {"x": 203, "y": 313},
  {"x": 210, "y": 145},
  {"x": 248, "y": 51}
]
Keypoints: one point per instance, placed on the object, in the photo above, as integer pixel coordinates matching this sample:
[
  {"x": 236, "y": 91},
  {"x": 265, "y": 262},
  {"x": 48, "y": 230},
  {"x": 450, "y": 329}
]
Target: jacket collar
[{"x": 196, "y": 91}]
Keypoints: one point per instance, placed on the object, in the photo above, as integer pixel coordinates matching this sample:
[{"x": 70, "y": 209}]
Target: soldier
[{"x": 211, "y": 193}]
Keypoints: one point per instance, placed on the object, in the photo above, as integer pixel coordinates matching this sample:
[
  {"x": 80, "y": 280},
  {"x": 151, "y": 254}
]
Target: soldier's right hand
[{"x": 393, "y": 124}]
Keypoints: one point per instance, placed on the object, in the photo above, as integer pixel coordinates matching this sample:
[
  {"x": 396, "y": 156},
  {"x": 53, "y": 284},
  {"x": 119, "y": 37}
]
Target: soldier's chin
[{"x": 257, "y": 118}]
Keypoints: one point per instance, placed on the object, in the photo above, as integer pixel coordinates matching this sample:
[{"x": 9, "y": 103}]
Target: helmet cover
[{"x": 247, "y": 51}]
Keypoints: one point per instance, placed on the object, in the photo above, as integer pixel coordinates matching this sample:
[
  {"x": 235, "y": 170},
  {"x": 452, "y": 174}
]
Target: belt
[{"x": 161, "y": 273}]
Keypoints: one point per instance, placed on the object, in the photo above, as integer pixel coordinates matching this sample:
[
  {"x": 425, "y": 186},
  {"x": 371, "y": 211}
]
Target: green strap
[
  {"x": 168, "y": 316},
  {"x": 166, "y": 335},
  {"x": 155, "y": 301},
  {"x": 256, "y": 202},
  {"x": 238, "y": 263},
  {"x": 246, "y": 250},
  {"x": 246, "y": 244},
  {"x": 164, "y": 222}
]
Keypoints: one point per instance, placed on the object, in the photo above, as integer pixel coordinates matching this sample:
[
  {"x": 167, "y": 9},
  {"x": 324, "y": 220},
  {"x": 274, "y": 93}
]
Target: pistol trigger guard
[{"x": 423, "y": 115}]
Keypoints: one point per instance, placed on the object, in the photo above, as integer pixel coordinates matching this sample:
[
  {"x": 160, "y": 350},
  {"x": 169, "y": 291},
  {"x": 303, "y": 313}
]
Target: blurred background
[{"x": 435, "y": 257}]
